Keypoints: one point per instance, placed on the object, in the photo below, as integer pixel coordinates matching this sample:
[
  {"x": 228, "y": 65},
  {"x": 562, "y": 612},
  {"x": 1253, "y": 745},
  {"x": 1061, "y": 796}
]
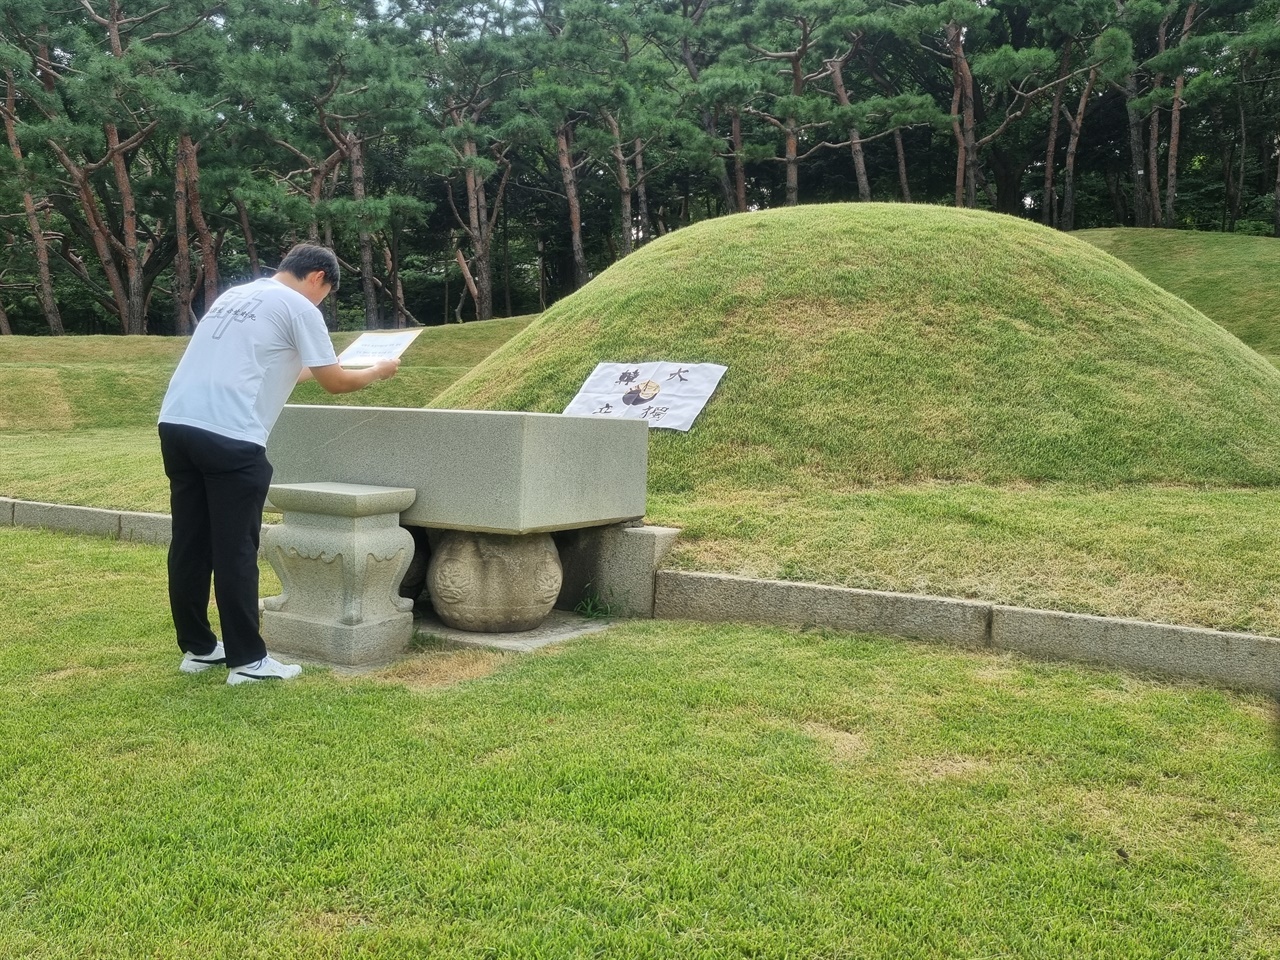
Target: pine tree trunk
[
  {"x": 255, "y": 265},
  {"x": 1049, "y": 208},
  {"x": 372, "y": 315},
  {"x": 1153, "y": 136},
  {"x": 624, "y": 182},
  {"x": 708, "y": 120},
  {"x": 860, "y": 164},
  {"x": 134, "y": 315},
  {"x": 391, "y": 257},
  {"x": 793, "y": 163},
  {"x": 1141, "y": 193},
  {"x": 570, "y": 179},
  {"x": 1068, "y": 219},
  {"x": 44, "y": 288},
  {"x": 208, "y": 249},
  {"x": 855, "y": 135},
  {"x": 506, "y": 262},
  {"x": 1153, "y": 166},
  {"x": 5, "y": 329},
  {"x": 1235, "y": 192},
  {"x": 331, "y": 303},
  {"x": 739, "y": 167},
  {"x": 968, "y": 118},
  {"x": 959, "y": 135},
  {"x": 1175, "y": 125},
  {"x": 182, "y": 255},
  {"x": 1175, "y": 131},
  {"x": 480, "y": 231},
  {"x": 97, "y": 229},
  {"x": 642, "y": 201},
  {"x": 903, "y": 184}
]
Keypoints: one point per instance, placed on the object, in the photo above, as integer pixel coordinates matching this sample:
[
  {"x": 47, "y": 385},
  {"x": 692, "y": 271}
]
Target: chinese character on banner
[{"x": 663, "y": 394}]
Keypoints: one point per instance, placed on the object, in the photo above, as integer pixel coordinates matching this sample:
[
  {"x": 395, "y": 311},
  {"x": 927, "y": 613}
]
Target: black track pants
[{"x": 217, "y": 487}]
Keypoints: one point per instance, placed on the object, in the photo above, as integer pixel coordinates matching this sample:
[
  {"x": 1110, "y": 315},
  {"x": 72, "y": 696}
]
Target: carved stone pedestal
[
  {"x": 493, "y": 582},
  {"x": 340, "y": 554}
]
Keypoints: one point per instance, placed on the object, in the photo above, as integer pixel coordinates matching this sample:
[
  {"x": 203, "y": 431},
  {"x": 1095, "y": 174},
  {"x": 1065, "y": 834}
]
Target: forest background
[{"x": 479, "y": 158}]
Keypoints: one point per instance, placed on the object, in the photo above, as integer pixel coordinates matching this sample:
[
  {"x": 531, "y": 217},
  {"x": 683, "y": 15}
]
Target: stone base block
[
  {"x": 613, "y": 566},
  {"x": 487, "y": 471},
  {"x": 347, "y": 645}
]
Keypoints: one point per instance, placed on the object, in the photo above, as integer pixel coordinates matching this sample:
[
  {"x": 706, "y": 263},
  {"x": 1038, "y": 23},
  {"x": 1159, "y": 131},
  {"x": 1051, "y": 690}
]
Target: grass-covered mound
[
  {"x": 867, "y": 343},
  {"x": 77, "y": 383},
  {"x": 1233, "y": 279}
]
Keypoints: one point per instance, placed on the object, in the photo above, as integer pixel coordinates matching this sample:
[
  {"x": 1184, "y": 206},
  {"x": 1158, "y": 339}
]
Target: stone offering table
[
  {"x": 490, "y": 488},
  {"x": 340, "y": 554},
  {"x": 475, "y": 470}
]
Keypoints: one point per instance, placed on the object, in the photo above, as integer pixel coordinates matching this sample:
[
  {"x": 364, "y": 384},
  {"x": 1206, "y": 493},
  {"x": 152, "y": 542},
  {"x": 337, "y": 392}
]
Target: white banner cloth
[{"x": 669, "y": 395}]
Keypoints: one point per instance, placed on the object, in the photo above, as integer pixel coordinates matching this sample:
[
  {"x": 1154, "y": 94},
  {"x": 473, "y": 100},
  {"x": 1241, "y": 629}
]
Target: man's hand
[
  {"x": 337, "y": 379},
  {"x": 386, "y": 369}
]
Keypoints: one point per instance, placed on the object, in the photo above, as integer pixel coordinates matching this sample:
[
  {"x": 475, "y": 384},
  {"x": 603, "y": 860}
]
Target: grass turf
[
  {"x": 660, "y": 790},
  {"x": 1228, "y": 277},
  {"x": 873, "y": 343},
  {"x": 84, "y": 383}
]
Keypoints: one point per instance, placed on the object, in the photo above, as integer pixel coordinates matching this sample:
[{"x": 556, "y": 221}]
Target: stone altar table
[{"x": 491, "y": 486}]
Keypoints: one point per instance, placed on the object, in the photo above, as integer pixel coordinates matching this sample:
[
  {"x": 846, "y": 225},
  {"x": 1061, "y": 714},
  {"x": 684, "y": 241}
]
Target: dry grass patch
[
  {"x": 945, "y": 767},
  {"x": 846, "y": 746},
  {"x": 444, "y": 668},
  {"x": 332, "y": 922},
  {"x": 66, "y": 673},
  {"x": 997, "y": 675}
]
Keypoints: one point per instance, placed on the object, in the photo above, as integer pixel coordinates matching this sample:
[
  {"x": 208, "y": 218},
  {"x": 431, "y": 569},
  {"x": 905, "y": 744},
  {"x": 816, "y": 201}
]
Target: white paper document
[
  {"x": 368, "y": 348},
  {"x": 663, "y": 394}
]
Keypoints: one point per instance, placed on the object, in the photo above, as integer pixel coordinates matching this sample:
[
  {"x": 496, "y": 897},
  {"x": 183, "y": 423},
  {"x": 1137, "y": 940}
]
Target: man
[{"x": 251, "y": 347}]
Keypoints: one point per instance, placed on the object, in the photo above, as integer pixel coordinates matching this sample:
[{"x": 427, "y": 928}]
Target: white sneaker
[
  {"x": 199, "y": 663},
  {"x": 268, "y": 668}
]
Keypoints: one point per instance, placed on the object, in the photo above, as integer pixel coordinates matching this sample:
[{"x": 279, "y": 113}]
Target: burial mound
[{"x": 871, "y": 343}]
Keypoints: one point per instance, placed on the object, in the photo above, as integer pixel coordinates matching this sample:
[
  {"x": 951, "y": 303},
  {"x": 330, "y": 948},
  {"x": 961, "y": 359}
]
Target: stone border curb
[
  {"x": 54, "y": 516},
  {"x": 721, "y": 598},
  {"x": 1242, "y": 660}
]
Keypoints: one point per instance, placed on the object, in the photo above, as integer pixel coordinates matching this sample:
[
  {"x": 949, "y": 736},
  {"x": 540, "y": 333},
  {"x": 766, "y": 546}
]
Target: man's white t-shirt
[{"x": 244, "y": 359}]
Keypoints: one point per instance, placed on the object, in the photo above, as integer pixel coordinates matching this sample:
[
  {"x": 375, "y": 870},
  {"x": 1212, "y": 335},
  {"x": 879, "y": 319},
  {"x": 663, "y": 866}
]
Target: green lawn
[
  {"x": 84, "y": 383},
  {"x": 660, "y": 790},
  {"x": 1232, "y": 279}
]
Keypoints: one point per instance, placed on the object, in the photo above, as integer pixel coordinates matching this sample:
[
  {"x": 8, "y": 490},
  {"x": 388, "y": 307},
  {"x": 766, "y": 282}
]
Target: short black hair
[{"x": 306, "y": 258}]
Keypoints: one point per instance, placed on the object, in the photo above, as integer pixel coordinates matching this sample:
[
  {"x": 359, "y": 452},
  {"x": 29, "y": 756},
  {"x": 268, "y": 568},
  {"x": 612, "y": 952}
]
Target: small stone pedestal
[{"x": 340, "y": 554}]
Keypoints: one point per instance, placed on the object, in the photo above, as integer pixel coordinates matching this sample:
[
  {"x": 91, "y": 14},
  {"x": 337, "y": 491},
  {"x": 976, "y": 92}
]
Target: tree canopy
[{"x": 473, "y": 158}]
